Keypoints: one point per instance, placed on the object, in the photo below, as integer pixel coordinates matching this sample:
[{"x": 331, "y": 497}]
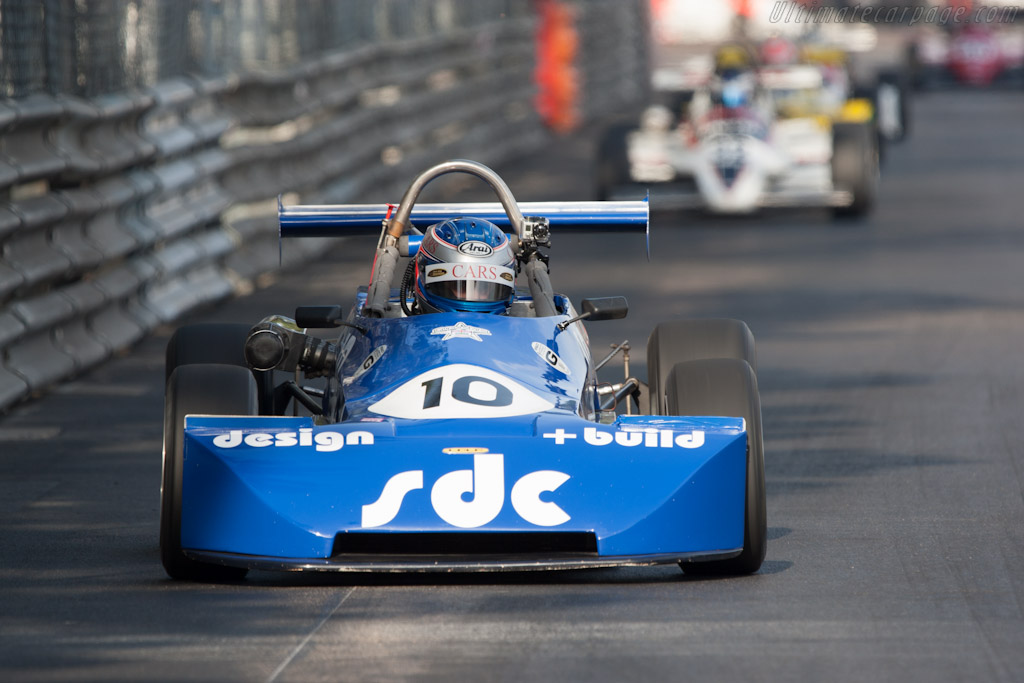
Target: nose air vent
[
  {"x": 729, "y": 174},
  {"x": 465, "y": 543}
]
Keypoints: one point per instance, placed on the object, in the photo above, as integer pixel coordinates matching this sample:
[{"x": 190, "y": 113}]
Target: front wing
[{"x": 548, "y": 491}]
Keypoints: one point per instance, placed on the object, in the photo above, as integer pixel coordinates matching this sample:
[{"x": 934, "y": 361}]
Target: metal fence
[{"x": 142, "y": 143}]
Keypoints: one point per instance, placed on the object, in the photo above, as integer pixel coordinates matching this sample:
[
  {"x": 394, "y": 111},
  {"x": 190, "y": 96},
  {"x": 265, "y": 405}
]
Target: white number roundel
[{"x": 460, "y": 391}]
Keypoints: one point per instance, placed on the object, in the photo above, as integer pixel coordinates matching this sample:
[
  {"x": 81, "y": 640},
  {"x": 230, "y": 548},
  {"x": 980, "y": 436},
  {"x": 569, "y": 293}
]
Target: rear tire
[
  {"x": 196, "y": 389},
  {"x": 855, "y": 166},
  {"x": 728, "y": 386},
  {"x": 678, "y": 341},
  {"x": 221, "y": 344}
]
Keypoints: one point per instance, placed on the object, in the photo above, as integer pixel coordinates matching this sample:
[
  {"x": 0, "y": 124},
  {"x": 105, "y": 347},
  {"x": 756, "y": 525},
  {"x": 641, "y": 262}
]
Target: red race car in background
[{"x": 975, "y": 54}]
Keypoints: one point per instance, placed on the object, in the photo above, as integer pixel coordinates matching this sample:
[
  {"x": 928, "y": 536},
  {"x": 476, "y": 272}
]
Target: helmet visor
[{"x": 469, "y": 282}]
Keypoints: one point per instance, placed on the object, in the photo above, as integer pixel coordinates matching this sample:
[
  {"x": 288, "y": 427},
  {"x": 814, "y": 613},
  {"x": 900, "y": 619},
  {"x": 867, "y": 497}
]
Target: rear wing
[{"x": 341, "y": 220}]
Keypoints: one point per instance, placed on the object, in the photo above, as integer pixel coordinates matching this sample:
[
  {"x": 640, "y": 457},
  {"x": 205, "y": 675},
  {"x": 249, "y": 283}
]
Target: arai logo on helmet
[{"x": 475, "y": 248}]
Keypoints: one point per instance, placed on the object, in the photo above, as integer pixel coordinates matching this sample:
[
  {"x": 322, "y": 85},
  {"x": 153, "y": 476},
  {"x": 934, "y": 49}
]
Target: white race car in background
[{"x": 741, "y": 159}]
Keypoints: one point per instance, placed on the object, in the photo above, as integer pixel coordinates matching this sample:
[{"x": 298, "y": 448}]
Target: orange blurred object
[
  {"x": 557, "y": 98},
  {"x": 743, "y": 8}
]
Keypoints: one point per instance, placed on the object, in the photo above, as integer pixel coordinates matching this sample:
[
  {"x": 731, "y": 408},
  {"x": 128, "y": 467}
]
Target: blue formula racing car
[{"x": 456, "y": 421}]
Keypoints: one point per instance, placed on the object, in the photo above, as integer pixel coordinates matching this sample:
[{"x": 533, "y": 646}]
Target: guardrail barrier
[{"x": 142, "y": 145}]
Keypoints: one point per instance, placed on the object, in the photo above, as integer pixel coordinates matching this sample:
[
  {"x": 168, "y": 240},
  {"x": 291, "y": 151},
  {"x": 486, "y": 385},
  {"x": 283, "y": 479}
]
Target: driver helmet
[
  {"x": 465, "y": 264},
  {"x": 734, "y": 88},
  {"x": 733, "y": 56},
  {"x": 734, "y": 77}
]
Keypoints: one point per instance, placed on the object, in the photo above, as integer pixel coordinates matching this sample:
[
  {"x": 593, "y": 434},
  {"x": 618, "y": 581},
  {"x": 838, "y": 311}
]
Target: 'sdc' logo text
[{"x": 486, "y": 483}]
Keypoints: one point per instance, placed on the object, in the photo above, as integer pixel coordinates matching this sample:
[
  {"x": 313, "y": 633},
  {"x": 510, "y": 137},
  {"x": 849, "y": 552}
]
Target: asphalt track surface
[{"x": 891, "y": 359}]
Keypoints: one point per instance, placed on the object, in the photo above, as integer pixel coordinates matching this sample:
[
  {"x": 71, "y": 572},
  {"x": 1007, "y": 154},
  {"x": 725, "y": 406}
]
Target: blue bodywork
[
  {"x": 409, "y": 453},
  {"x": 461, "y": 440},
  {"x": 658, "y": 495},
  {"x": 503, "y": 344}
]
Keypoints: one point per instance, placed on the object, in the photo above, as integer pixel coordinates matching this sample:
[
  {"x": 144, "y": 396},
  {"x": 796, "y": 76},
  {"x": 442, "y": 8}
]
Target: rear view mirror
[
  {"x": 319, "y": 316},
  {"x": 605, "y": 308}
]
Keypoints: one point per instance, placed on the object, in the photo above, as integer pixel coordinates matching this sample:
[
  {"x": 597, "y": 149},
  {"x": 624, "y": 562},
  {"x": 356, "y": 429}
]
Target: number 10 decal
[
  {"x": 460, "y": 391},
  {"x": 471, "y": 389}
]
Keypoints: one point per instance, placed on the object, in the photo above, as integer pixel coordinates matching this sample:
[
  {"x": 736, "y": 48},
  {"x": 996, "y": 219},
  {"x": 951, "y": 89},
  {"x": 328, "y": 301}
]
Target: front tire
[
  {"x": 195, "y": 389},
  {"x": 728, "y": 387}
]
